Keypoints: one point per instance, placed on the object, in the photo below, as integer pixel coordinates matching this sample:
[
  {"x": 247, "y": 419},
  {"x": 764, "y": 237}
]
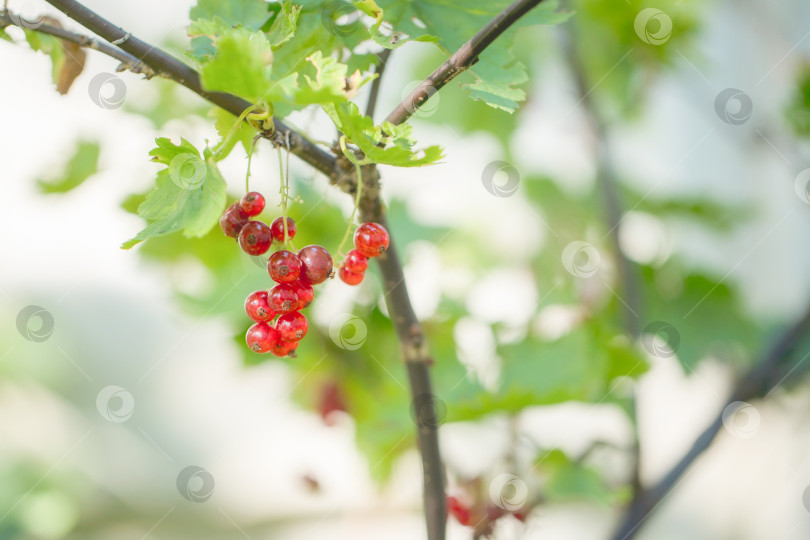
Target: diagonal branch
[
  {"x": 167, "y": 66},
  {"x": 760, "y": 380},
  {"x": 461, "y": 60},
  {"x": 127, "y": 60}
]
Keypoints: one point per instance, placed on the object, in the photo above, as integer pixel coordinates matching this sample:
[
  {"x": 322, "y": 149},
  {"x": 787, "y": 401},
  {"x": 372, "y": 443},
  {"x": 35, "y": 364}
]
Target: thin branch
[
  {"x": 613, "y": 212},
  {"x": 167, "y": 66},
  {"x": 375, "y": 84},
  {"x": 760, "y": 380},
  {"x": 127, "y": 60},
  {"x": 461, "y": 60}
]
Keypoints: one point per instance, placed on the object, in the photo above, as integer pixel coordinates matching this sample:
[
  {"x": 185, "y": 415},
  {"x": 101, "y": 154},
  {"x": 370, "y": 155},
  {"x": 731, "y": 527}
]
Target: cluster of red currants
[
  {"x": 370, "y": 239},
  {"x": 294, "y": 274}
]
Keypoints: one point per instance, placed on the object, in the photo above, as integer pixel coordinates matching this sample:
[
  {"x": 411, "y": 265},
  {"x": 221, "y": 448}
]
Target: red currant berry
[
  {"x": 350, "y": 278},
  {"x": 285, "y": 348},
  {"x": 257, "y": 308},
  {"x": 305, "y": 294},
  {"x": 316, "y": 264},
  {"x": 252, "y": 203},
  {"x": 261, "y": 337},
  {"x": 292, "y": 326},
  {"x": 284, "y": 266},
  {"x": 282, "y": 298},
  {"x": 355, "y": 262},
  {"x": 459, "y": 510},
  {"x": 232, "y": 220},
  {"x": 520, "y": 515},
  {"x": 371, "y": 239},
  {"x": 255, "y": 238},
  {"x": 278, "y": 229}
]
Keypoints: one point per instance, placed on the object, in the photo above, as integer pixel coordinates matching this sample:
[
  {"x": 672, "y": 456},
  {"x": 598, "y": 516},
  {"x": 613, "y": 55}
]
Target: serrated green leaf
[
  {"x": 248, "y": 13},
  {"x": 284, "y": 24},
  {"x": 189, "y": 195},
  {"x": 241, "y": 64},
  {"x": 81, "y": 166},
  {"x": 387, "y": 144}
]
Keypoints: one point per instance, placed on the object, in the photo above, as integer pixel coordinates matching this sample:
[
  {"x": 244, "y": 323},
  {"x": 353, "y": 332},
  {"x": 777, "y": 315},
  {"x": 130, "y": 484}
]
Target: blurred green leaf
[{"x": 81, "y": 166}]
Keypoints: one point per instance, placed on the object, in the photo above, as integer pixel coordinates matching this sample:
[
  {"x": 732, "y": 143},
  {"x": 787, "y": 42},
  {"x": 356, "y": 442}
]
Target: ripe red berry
[
  {"x": 305, "y": 294},
  {"x": 232, "y": 220},
  {"x": 355, "y": 262},
  {"x": 371, "y": 239},
  {"x": 261, "y": 337},
  {"x": 350, "y": 278},
  {"x": 459, "y": 510},
  {"x": 316, "y": 264},
  {"x": 277, "y": 227},
  {"x": 282, "y": 298},
  {"x": 252, "y": 203},
  {"x": 257, "y": 308},
  {"x": 255, "y": 238},
  {"x": 285, "y": 348},
  {"x": 292, "y": 326},
  {"x": 284, "y": 266}
]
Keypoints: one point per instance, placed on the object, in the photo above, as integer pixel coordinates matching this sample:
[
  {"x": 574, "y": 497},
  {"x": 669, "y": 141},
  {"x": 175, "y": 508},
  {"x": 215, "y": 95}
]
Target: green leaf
[
  {"x": 224, "y": 122},
  {"x": 387, "y": 144},
  {"x": 241, "y": 64},
  {"x": 284, "y": 24},
  {"x": 81, "y": 166},
  {"x": 696, "y": 316},
  {"x": 248, "y": 13},
  {"x": 568, "y": 480},
  {"x": 322, "y": 80},
  {"x": 189, "y": 195},
  {"x": 452, "y": 22}
]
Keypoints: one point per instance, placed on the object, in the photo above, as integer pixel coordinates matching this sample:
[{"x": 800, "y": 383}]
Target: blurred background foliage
[{"x": 584, "y": 354}]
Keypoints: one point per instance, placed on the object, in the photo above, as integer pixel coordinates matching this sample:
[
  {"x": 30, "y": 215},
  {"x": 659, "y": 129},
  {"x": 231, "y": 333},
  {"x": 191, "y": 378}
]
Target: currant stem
[
  {"x": 220, "y": 148},
  {"x": 283, "y": 188},
  {"x": 359, "y": 190},
  {"x": 250, "y": 158}
]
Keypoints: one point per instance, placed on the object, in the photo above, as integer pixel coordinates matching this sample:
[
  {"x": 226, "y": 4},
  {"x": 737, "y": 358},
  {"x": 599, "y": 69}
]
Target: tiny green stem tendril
[{"x": 220, "y": 148}]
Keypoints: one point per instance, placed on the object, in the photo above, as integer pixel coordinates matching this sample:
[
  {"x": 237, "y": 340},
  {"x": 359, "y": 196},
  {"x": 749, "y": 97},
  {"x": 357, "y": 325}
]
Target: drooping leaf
[{"x": 189, "y": 194}]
